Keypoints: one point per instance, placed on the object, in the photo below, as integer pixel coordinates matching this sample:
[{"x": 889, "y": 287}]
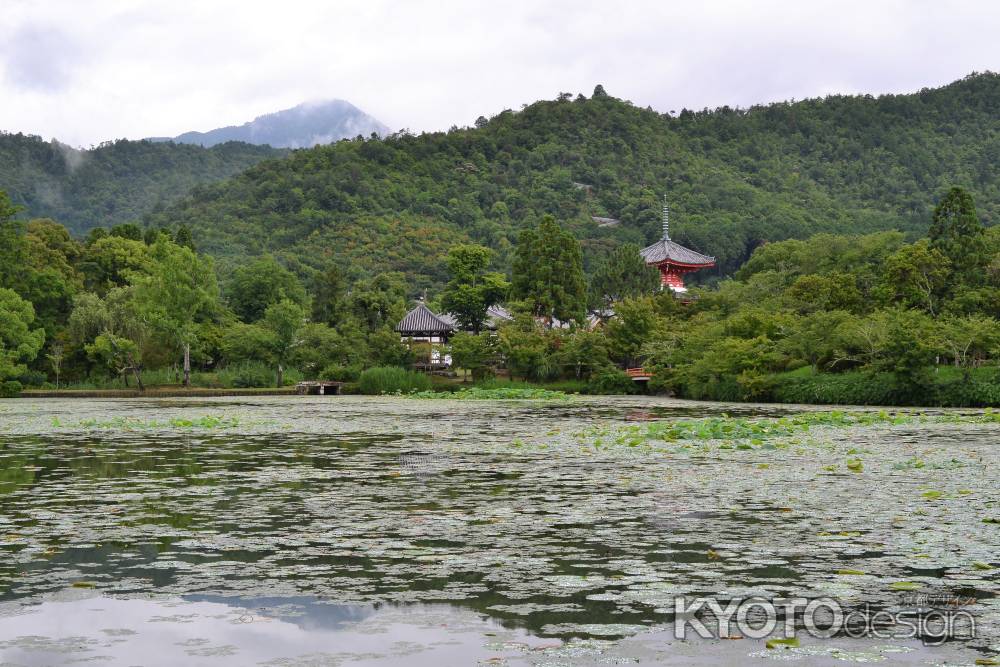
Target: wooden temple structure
[
  {"x": 427, "y": 333},
  {"x": 672, "y": 259}
]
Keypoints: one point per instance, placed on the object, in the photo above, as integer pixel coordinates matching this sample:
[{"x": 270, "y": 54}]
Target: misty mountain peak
[{"x": 303, "y": 126}]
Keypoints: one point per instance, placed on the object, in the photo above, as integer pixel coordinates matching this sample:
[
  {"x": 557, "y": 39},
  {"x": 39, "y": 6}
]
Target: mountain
[
  {"x": 303, "y": 126},
  {"x": 736, "y": 178},
  {"x": 116, "y": 182}
]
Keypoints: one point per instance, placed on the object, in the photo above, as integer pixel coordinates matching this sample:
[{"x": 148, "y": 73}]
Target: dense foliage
[
  {"x": 878, "y": 283},
  {"x": 114, "y": 183},
  {"x": 834, "y": 318},
  {"x": 735, "y": 178}
]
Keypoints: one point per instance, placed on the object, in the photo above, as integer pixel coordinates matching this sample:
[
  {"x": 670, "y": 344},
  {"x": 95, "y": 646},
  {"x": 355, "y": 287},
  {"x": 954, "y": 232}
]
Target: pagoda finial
[{"x": 666, "y": 219}]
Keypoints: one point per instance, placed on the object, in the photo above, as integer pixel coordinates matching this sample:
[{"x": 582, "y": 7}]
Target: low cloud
[
  {"x": 40, "y": 58},
  {"x": 158, "y": 69}
]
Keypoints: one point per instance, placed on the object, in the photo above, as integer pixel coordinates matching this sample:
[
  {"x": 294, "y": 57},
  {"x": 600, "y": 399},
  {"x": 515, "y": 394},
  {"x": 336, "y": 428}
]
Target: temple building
[
  {"x": 427, "y": 333},
  {"x": 672, "y": 259}
]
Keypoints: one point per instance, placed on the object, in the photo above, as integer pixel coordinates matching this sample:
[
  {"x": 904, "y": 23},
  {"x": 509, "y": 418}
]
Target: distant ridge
[
  {"x": 304, "y": 126},
  {"x": 115, "y": 182}
]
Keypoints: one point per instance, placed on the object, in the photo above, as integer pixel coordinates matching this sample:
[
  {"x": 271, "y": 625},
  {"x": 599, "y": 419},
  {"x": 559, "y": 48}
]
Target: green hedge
[
  {"x": 10, "y": 389},
  {"x": 392, "y": 380},
  {"x": 945, "y": 387},
  {"x": 856, "y": 388}
]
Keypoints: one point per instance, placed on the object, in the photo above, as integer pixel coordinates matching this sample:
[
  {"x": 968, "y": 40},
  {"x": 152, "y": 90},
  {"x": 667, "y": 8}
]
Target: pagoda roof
[
  {"x": 666, "y": 250},
  {"x": 423, "y": 320}
]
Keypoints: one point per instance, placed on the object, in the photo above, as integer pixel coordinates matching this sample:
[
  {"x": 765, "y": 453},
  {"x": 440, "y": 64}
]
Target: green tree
[
  {"x": 108, "y": 262},
  {"x": 585, "y": 352},
  {"x": 958, "y": 234},
  {"x": 319, "y": 346},
  {"x": 128, "y": 230},
  {"x": 472, "y": 290},
  {"x": 260, "y": 283},
  {"x": 247, "y": 342},
  {"x": 379, "y": 302},
  {"x": 815, "y": 338},
  {"x": 524, "y": 348},
  {"x": 916, "y": 276},
  {"x": 623, "y": 274},
  {"x": 19, "y": 343},
  {"x": 122, "y": 331},
  {"x": 48, "y": 276},
  {"x": 970, "y": 339},
  {"x": 832, "y": 291},
  {"x": 116, "y": 354},
  {"x": 731, "y": 369},
  {"x": 55, "y": 356},
  {"x": 329, "y": 295},
  {"x": 634, "y": 322},
  {"x": 283, "y": 320},
  {"x": 183, "y": 238},
  {"x": 386, "y": 349},
  {"x": 910, "y": 350},
  {"x": 548, "y": 273},
  {"x": 12, "y": 243},
  {"x": 179, "y": 289},
  {"x": 472, "y": 352}
]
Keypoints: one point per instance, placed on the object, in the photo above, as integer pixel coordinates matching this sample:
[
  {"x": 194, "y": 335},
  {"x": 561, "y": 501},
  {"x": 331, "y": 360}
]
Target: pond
[{"x": 390, "y": 531}]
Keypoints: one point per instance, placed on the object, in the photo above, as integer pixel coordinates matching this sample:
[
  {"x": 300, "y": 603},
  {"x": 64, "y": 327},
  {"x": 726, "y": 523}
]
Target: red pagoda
[{"x": 672, "y": 259}]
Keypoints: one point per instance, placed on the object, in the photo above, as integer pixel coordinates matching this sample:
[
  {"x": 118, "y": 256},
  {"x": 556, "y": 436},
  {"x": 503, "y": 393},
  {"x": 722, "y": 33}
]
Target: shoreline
[{"x": 155, "y": 392}]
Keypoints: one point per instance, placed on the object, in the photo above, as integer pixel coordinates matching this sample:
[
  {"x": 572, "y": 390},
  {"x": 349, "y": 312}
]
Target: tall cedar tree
[
  {"x": 548, "y": 272},
  {"x": 959, "y": 235}
]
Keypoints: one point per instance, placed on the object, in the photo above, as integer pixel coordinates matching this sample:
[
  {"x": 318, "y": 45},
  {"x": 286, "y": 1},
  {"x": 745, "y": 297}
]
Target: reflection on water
[
  {"x": 302, "y": 632},
  {"x": 241, "y": 632},
  {"x": 354, "y": 530}
]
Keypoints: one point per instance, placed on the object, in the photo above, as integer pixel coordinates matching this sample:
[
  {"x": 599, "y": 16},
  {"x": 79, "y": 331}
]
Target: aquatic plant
[
  {"x": 496, "y": 394},
  {"x": 138, "y": 423},
  {"x": 750, "y": 433}
]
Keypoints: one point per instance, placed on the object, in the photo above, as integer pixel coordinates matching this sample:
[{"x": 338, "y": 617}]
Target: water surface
[{"x": 349, "y": 531}]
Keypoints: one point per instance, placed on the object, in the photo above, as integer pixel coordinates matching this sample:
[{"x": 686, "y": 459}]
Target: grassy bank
[
  {"x": 155, "y": 392},
  {"x": 247, "y": 375}
]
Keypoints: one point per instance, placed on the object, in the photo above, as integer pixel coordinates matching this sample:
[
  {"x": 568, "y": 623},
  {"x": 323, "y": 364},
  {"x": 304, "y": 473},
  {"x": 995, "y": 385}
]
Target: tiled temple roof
[
  {"x": 667, "y": 250},
  {"x": 422, "y": 320}
]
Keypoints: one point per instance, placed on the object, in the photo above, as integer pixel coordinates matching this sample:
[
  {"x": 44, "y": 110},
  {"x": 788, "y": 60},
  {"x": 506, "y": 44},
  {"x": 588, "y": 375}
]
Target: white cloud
[{"x": 91, "y": 71}]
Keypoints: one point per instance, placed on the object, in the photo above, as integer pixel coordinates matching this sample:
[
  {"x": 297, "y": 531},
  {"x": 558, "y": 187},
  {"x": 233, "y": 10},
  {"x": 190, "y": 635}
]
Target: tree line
[{"x": 833, "y": 318}]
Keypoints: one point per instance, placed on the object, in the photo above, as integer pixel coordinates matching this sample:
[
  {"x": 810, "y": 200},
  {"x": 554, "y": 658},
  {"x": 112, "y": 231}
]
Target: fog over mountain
[{"x": 304, "y": 126}]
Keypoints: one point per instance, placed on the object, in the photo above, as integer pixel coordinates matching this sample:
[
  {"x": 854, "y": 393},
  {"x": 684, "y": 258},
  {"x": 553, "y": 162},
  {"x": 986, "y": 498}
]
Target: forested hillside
[
  {"x": 735, "y": 178},
  {"x": 116, "y": 182}
]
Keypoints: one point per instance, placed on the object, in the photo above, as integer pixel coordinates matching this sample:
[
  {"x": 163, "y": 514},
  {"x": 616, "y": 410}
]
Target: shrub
[
  {"x": 246, "y": 374},
  {"x": 851, "y": 388},
  {"x": 31, "y": 378},
  {"x": 568, "y": 386},
  {"x": 340, "y": 373},
  {"x": 502, "y": 383},
  {"x": 612, "y": 381},
  {"x": 10, "y": 389},
  {"x": 392, "y": 380}
]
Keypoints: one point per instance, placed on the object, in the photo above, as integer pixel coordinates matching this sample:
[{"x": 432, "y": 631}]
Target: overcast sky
[{"x": 86, "y": 71}]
